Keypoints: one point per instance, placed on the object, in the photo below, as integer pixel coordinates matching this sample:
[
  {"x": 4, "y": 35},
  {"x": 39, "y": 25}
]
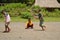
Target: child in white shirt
[{"x": 7, "y": 20}]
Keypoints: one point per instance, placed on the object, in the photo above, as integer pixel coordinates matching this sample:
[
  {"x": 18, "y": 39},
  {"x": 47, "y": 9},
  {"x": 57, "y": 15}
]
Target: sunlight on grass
[
  {"x": 46, "y": 19},
  {"x": 52, "y": 19}
]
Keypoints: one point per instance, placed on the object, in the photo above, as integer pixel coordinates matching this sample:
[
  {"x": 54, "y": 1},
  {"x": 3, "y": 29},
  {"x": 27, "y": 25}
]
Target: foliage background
[{"x": 25, "y": 9}]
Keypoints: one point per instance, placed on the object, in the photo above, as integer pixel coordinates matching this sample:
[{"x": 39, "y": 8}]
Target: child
[
  {"x": 7, "y": 20},
  {"x": 40, "y": 16},
  {"x": 29, "y": 24}
]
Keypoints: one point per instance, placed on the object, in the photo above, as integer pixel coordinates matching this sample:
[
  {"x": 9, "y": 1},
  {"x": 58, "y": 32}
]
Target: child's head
[
  {"x": 3, "y": 12},
  {"x": 29, "y": 19}
]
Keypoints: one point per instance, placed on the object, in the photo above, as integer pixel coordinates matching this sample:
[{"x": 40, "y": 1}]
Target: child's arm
[{"x": 35, "y": 16}]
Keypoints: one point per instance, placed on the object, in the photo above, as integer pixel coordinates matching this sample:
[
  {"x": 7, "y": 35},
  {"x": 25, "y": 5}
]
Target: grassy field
[
  {"x": 52, "y": 19},
  {"x": 47, "y": 19}
]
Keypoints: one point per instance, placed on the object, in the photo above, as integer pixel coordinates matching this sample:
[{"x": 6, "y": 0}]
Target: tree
[
  {"x": 28, "y": 2},
  {"x": 3, "y": 1}
]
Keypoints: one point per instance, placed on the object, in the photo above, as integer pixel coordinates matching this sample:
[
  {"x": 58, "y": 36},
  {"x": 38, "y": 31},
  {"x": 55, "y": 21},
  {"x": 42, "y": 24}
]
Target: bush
[
  {"x": 30, "y": 2},
  {"x": 18, "y": 9},
  {"x": 13, "y": 8},
  {"x": 36, "y": 8},
  {"x": 46, "y": 13},
  {"x": 14, "y": 5},
  {"x": 26, "y": 15},
  {"x": 55, "y": 13},
  {"x": 1, "y": 15}
]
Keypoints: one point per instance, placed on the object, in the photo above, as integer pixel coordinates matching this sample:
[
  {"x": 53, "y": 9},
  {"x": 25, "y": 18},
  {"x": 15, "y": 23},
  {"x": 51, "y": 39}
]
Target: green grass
[
  {"x": 18, "y": 19},
  {"x": 52, "y": 19},
  {"x": 1, "y": 19},
  {"x": 47, "y": 19}
]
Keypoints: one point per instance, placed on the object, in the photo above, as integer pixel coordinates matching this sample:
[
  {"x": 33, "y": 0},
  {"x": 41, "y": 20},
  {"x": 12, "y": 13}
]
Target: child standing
[
  {"x": 7, "y": 20},
  {"x": 29, "y": 24},
  {"x": 41, "y": 24}
]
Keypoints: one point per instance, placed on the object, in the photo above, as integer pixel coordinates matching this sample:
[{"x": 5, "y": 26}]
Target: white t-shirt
[{"x": 7, "y": 17}]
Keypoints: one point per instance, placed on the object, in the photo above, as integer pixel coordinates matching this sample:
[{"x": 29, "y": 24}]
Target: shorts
[
  {"x": 7, "y": 23},
  {"x": 41, "y": 24},
  {"x": 29, "y": 25}
]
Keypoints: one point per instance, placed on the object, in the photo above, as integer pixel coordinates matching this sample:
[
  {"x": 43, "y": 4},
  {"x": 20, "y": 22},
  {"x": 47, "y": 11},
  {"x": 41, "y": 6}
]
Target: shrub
[
  {"x": 1, "y": 15},
  {"x": 26, "y": 15},
  {"x": 29, "y": 2},
  {"x": 36, "y": 8},
  {"x": 13, "y": 8}
]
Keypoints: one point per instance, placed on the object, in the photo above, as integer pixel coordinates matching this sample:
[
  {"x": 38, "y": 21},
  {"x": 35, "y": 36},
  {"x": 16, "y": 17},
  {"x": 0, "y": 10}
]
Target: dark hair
[
  {"x": 29, "y": 18},
  {"x": 3, "y": 11}
]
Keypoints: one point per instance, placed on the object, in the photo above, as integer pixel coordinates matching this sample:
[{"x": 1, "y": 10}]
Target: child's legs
[
  {"x": 41, "y": 24},
  {"x": 6, "y": 26},
  {"x": 31, "y": 26},
  {"x": 28, "y": 25}
]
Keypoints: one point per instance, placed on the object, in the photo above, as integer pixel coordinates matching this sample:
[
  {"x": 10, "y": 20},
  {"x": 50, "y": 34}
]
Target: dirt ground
[{"x": 18, "y": 31}]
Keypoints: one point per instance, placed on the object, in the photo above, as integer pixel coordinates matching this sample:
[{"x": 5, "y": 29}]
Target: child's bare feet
[
  {"x": 9, "y": 30},
  {"x": 26, "y": 28},
  {"x": 5, "y": 31},
  {"x": 43, "y": 29}
]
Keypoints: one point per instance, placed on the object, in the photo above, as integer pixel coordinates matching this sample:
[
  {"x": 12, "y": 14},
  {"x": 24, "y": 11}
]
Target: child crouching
[{"x": 29, "y": 24}]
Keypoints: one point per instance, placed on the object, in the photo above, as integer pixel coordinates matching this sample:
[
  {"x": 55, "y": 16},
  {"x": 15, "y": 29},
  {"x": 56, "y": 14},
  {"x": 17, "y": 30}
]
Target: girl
[{"x": 7, "y": 20}]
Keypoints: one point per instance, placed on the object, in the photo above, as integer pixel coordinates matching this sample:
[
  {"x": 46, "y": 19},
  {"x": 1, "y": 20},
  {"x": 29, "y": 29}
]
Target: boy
[
  {"x": 7, "y": 20},
  {"x": 29, "y": 24},
  {"x": 40, "y": 16}
]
